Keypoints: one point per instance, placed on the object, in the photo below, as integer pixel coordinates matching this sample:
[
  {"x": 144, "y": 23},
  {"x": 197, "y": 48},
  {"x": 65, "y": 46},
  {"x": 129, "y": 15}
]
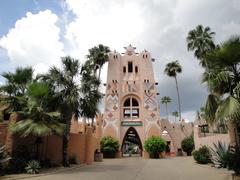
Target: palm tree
[
  {"x": 37, "y": 116},
  {"x": 200, "y": 40},
  {"x": 15, "y": 87},
  {"x": 90, "y": 94},
  {"x": 16, "y": 82},
  {"x": 99, "y": 56},
  {"x": 171, "y": 70},
  {"x": 165, "y": 100},
  {"x": 223, "y": 81},
  {"x": 175, "y": 114},
  {"x": 64, "y": 84}
]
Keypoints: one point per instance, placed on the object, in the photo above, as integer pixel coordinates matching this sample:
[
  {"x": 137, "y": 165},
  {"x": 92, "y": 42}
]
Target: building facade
[{"x": 131, "y": 97}]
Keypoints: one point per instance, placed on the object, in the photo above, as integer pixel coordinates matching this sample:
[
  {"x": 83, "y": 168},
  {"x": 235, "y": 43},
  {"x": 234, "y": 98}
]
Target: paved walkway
[{"x": 177, "y": 168}]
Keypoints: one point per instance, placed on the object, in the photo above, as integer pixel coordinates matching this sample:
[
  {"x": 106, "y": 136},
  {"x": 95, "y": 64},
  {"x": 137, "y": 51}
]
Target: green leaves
[
  {"x": 173, "y": 68},
  {"x": 211, "y": 108},
  {"x": 166, "y": 99},
  {"x": 229, "y": 108},
  {"x": 200, "y": 40},
  {"x": 154, "y": 145}
]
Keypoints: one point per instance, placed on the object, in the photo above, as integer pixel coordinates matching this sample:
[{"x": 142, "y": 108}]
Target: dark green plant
[
  {"x": 188, "y": 145},
  {"x": 202, "y": 155},
  {"x": 109, "y": 146},
  {"x": 155, "y": 145},
  {"x": 220, "y": 154},
  {"x": 33, "y": 167},
  {"x": 234, "y": 160}
]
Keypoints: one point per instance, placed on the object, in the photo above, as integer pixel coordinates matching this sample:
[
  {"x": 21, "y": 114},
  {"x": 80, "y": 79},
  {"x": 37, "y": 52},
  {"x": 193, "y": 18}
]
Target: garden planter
[
  {"x": 154, "y": 155},
  {"x": 98, "y": 157},
  {"x": 235, "y": 176},
  {"x": 162, "y": 154}
]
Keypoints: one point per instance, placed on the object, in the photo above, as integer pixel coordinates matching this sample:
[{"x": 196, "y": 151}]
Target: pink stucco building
[{"x": 132, "y": 111}]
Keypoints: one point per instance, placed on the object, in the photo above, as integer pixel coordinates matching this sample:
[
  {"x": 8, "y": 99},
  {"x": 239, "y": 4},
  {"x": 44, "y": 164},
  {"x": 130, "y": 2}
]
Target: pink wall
[{"x": 209, "y": 140}]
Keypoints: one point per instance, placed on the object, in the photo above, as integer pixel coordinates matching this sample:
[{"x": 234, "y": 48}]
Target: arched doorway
[{"x": 131, "y": 145}]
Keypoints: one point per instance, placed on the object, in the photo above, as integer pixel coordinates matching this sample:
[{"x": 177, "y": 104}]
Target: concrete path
[{"x": 177, "y": 168}]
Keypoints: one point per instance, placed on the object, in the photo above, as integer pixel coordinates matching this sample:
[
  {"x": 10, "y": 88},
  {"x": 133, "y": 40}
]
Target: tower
[{"x": 131, "y": 108}]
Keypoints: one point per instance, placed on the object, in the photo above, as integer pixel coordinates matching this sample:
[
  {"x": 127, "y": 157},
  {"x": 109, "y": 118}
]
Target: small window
[
  {"x": 124, "y": 69},
  {"x": 130, "y": 67},
  {"x": 136, "y": 69}
]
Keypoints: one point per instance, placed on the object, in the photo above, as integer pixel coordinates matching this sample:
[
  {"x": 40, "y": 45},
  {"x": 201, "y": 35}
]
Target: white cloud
[
  {"x": 113, "y": 24},
  {"x": 34, "y": 40}
]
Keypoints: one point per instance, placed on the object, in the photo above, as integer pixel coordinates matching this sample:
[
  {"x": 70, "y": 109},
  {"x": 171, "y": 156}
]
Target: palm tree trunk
[
  {"x": 179, "y": 103},
  {"x": 99, "y": 73},
  {"x": 65, "y": 139},
  {"x": 167, "y": 111},
  {"x": 232, "y": 130}
]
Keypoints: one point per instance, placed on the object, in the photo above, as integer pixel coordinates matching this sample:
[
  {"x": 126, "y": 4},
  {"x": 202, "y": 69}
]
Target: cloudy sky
[{"x": 38, "y": 32}]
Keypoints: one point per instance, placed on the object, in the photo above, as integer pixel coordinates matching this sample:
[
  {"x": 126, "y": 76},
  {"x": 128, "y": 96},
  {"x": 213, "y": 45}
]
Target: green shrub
[
  {"x": 33, "y": 167},
  {"x": 109, "y": 146},
  {"x": 155, "y": 145},
  {"x": 202, "y": 155},
  {"x": 220, "y": 154},
  {"x": 188, "y": 145},
  {"x": 234, "y": 160}
]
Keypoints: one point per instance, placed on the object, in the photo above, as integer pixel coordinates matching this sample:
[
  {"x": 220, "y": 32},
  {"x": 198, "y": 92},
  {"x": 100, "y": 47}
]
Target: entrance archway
[{"x": 131, "y": 145}]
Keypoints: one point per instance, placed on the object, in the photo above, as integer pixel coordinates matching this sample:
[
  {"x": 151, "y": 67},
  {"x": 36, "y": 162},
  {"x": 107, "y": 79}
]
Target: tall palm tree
[
  {"x": 64, "y": 84},
  {"x": 200, "y": 40},
  {"x": 99, "y": 56},
  {"x": 165, "y": 100},
  {"x": 223, "y": 81},
  {"x": 175, "y": 114},
  {"x": 172, "y": 69}
]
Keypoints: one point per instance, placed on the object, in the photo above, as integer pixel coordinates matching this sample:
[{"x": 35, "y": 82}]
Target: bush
[
  {"x": 33, "y": 167},
  {"x": 188, "y": 145},
  {"x": 202, "y": 155},
  {"x": 109, "y": 146},
  {"x": 221, "y": 154},
  {"x": 155, "y": 145},
  {"x": 234, "y": 160}
]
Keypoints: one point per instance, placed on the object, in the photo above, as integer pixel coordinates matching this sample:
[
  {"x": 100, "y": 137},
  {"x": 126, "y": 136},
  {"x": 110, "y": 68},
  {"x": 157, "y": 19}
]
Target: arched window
[{"x": 131, "y": 108}]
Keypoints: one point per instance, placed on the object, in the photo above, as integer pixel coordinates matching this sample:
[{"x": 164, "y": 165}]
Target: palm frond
[
  {"x": 211, "y": 108},
  {"x": 229, "y": 108}
]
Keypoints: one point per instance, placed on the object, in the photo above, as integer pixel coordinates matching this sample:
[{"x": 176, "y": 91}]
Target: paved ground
[{"x": 178, "y": 168}]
